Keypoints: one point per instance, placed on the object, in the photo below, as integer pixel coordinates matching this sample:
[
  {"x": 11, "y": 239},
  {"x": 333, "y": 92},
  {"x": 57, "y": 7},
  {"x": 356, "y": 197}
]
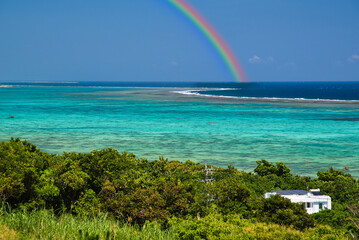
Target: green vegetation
[
  {"x": 43, "y": 224},
  {"x": 110, "y": 195}
]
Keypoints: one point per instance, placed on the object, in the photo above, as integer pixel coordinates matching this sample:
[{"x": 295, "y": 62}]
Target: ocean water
[{"x": 308, "y": 126}]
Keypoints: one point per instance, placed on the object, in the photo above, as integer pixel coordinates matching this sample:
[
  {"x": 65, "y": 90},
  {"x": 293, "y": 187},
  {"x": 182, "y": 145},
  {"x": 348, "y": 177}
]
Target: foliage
[
  {"x": 216, "y": 226},
  {"x": 230, "y": 195},
  {"x": 103, "y": 181},
  {"x": 342, "y": 187},
  {"x": 106, "y": 183},
  {"x": 88, "y": 204},
  {"x": 265, "y": 168},
  {"x": 21, "y": 164},
  {"x": 282, "y": 211},
  {"x": 336, "y": 217}
]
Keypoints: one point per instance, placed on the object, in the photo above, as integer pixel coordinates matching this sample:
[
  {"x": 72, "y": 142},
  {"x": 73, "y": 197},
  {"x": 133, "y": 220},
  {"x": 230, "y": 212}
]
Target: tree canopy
[{"x": 136, "y": 190}]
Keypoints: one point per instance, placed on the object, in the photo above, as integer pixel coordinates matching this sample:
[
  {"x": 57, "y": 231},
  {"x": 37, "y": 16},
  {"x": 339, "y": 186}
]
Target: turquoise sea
[{"x": 186, "y": 122}]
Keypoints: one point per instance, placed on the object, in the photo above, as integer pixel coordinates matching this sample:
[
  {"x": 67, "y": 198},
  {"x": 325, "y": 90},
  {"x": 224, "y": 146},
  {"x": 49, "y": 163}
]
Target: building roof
[
  {"x": 291, "y": 192},
  {"x": 316, "y": 193}
]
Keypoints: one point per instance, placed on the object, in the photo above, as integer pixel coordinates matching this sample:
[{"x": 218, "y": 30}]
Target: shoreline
[{"x": 195, "y": 92}]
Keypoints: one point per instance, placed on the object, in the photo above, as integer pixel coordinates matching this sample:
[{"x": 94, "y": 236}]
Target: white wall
[{"x": 315, "y": 200}]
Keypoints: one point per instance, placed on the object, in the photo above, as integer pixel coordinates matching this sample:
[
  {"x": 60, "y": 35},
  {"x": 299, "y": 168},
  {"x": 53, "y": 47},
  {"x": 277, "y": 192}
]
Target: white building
[{"x": 313, "y": 200}]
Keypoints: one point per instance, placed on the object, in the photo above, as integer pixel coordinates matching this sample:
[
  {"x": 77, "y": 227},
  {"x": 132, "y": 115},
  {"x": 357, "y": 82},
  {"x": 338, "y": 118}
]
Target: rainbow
[{"x": 215, "y": 39}]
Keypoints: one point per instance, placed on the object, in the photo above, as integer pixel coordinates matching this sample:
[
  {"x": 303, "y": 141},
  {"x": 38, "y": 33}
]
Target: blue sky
[{"x": 150, "y": 40}]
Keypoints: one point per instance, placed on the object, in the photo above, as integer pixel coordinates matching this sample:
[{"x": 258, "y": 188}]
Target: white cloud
[
  {"x": 353, "y": 58},
  {"x": 255, "y": 59},
  {"x": 289, "y": 64},
  {"x": 337, "y": 62},
  {"x": 270, "y": 60},
  {"x": 174, "y": 63}
]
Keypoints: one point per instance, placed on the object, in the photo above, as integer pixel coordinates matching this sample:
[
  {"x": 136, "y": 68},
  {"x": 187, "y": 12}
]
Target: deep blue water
[
  {"x": 296, "y": 90},
  {"x": 303, "y": 90}
]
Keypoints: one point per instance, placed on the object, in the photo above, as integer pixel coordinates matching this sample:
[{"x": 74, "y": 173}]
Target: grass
[
  {"x": 7, "y": 233},
  {"x": 235, "y": 227},
  {"x": 43, "y": 224}
]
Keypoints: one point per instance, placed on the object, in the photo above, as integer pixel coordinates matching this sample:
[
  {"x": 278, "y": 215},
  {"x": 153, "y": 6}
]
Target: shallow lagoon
[{"x": 307, "y": 135}]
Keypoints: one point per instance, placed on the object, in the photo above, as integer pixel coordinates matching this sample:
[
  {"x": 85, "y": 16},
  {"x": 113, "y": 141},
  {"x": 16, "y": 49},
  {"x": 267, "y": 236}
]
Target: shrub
[{"x": 282, "y": 211}]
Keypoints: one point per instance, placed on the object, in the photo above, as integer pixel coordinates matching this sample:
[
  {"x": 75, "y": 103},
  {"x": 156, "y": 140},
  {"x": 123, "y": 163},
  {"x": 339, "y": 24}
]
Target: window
[
  {"x": 320, "y": 205},
  {"x": 309, "y": 205}
]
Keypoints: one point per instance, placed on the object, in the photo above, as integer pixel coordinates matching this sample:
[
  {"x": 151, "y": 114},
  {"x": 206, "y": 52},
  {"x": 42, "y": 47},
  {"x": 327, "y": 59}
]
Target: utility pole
[{"x": 208, "y": 171}]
